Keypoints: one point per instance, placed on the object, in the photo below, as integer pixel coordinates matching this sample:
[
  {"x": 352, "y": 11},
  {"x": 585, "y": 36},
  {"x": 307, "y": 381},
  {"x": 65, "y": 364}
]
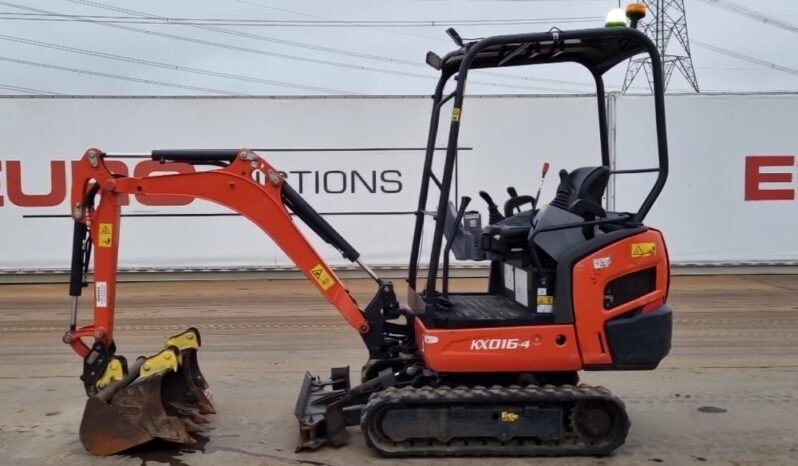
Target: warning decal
[
  {"x": 101, "y": 294},
  {"x": 545, "y": 299},
  {"x": 322, "y": 276},
  {"x": 106, "y": 235},
  {"x": 644, "y": 249}
]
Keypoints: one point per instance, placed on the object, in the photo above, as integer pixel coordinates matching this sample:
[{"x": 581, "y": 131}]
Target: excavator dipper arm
[
  {"x": 266, "y": 203},
  {"x": 166, "y": 396}
]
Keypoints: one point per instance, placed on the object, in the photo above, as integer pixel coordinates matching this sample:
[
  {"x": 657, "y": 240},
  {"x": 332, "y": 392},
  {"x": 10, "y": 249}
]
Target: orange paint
[
  {"x": 500, "y": 349},
  {"x": 233, "y": 187},
  {"x": 589, "y": 284}
]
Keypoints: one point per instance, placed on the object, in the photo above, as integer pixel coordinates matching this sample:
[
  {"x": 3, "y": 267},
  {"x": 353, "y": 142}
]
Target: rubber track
[{"x": 572, "y": 442}]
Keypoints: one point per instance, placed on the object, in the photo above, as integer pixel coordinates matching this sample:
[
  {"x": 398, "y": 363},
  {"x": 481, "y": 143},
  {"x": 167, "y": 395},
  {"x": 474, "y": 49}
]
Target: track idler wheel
[
  {"x": 164, "y": 396},
  {"x": 599, "y": 423}
]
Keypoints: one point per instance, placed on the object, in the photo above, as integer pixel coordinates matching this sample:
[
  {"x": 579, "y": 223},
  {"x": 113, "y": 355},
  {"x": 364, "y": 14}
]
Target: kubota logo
[{"x": 486, "y": 344}]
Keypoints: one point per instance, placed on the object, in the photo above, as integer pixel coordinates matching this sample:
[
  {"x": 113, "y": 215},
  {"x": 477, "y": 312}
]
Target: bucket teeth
[
  {"x": 190, "y": 426},
  {"x": 163, "y": 396},
  {"x": 188, "y": 412}
]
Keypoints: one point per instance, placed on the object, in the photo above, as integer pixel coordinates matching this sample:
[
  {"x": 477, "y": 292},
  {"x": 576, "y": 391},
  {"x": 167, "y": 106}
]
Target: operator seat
[
  {"x": 582, "y": 190},
  {"x": 507, "y": 235},
  {"x": 579, "y": 194},
  {"x": 578, "y": 199}
]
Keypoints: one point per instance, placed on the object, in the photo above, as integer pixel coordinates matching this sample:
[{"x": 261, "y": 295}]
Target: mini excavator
[{"x": 572, "y": 287}]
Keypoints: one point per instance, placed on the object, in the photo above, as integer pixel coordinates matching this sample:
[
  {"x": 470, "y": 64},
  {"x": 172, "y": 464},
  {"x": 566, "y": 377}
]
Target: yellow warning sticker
[
  {"x": 106, "y": 235},
  {"x": 507, "y": 416},
  {"x": 456, "y": 114},
  {"x": 322, "y": 276},
  {"x": 545, "y": 299},
  {"x": 644, "y": 249}
]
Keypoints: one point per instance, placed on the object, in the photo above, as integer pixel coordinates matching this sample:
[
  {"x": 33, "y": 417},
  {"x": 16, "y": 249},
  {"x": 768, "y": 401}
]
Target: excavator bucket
[
  {"x": 188, "y": 386},
  {"x": 164, "y": 396}
]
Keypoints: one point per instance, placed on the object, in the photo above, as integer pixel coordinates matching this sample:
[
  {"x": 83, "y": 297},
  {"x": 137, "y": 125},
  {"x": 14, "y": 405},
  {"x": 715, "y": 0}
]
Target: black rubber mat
[{"x": 485, "y": 310}]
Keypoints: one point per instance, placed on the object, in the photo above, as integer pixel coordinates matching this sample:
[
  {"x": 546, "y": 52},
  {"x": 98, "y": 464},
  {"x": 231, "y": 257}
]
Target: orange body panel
[
  {"x": 233, "y": 186},
  {"x": 535, "y": 348},
  {"x": 501, "y": 349},
  {"x": 589, "y": 282}
]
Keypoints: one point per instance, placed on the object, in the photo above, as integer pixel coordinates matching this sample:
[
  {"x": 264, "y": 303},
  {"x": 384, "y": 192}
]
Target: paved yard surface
[{"x": 735, "y": 348}]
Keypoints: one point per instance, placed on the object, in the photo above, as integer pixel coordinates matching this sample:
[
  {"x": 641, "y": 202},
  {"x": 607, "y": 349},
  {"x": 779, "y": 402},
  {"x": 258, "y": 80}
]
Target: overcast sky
[{"x": 266, "y": 47}]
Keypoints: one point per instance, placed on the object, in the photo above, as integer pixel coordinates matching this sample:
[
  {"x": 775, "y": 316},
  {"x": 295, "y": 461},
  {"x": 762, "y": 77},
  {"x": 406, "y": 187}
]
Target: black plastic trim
[{"x": 640, "y": 340}]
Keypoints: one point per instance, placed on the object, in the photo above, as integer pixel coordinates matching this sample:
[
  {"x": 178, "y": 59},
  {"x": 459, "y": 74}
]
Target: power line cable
[
  {"x": 110, "y": 56},
  {"x": 319, "y": 48},
  {"x": 231, "y": 47},
  {"x": 254, "y": 36},
  {"x": 116, "y": 76},
  {"x": 181, "y": 21},
  {"x": 753, "y": 14},
  {"x": 748, "y": 58},
  {"x": 309, "y": 46},
  {"x": 281, "y": 55},
  {"x": 27, "y": 89},
  {"x": 486, "y": 73},
  {"x": 401, "y": 33}
]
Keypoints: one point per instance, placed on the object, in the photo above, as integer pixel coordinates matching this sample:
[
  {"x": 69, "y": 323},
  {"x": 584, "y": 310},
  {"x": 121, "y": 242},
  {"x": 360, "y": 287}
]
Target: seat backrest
[
  {"x": 587, "y": 183},
  {"x": 578, "y": 199}
]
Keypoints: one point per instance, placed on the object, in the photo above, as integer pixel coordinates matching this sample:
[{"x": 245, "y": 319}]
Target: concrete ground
[{"x": 735, "y": 355}]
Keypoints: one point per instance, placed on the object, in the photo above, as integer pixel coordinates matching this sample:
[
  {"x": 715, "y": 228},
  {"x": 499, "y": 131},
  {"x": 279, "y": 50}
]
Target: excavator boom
[{"x": 166, "y": 396}]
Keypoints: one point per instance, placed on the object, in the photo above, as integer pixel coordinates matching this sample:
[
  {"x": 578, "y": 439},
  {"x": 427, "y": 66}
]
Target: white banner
[
  {"x": 358, "y": 160},
  {"x": 730, "y": 196}
]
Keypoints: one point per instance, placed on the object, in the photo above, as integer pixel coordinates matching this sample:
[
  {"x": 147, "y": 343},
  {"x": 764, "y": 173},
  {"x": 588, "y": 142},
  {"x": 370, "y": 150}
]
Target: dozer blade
[
  {"x": 151, "y": 402},
  {"x": 318, "y": 424},
  {"x": 325, "y": 408}
]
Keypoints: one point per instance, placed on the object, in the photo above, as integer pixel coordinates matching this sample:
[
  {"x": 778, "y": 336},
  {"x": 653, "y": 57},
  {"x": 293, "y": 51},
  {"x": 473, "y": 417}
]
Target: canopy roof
[{"x": 597, "y": 49}]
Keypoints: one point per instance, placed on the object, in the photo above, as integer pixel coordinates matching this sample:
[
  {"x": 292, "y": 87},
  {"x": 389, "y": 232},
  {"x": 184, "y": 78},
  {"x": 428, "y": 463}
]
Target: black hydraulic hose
[
  {"x": 76, "y": 271},
  {"x": 317, "y": 223},
  {"x": 80, "y": 256},
  {"x": 195, "y": 155}
]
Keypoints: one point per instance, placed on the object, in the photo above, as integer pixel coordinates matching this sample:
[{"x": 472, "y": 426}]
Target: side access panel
[
  {"x": 500, "y": 349},
  {"x": 630, "y": 275}
]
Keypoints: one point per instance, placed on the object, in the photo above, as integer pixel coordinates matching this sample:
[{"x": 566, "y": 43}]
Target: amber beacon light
[{"x": 635, "y": 12}]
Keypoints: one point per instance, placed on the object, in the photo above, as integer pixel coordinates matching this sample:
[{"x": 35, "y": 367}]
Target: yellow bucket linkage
[{"x": 163, "y": 396}]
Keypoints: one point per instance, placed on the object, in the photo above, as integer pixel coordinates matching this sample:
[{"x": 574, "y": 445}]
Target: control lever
[
  {"x": 455, "y": 36},
  {"x": 515, "y": 203},
  {"x": 464, "y": 201},
  {"x": 540, "y": 186},
  {"x": 493, "y": 210}
]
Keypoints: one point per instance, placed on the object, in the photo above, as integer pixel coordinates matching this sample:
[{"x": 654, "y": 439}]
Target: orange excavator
[{"x": 572, "y": 287}]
